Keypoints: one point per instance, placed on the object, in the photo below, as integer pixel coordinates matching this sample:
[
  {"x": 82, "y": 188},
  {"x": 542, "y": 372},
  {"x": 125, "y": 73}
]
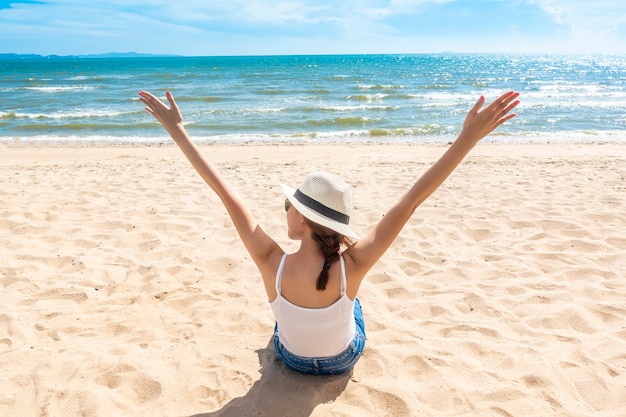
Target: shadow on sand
[{"x": 281, "y": 391}]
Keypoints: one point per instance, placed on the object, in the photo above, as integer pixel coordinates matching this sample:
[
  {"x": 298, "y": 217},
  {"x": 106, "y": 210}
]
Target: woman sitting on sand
[{"x": 313, "y": 292}]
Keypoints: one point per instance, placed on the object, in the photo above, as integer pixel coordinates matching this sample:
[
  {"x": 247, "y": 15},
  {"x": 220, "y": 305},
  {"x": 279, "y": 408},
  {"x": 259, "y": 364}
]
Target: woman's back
[
  {"x": 298, "y": 281},
  {"x": 317, "y": 331}
]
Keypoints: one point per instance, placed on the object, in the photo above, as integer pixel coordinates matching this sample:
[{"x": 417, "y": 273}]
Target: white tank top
[{"x": 314, "y": 332}]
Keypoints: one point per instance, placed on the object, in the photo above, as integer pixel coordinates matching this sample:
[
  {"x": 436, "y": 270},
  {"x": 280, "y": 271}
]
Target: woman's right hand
[{"x": 482, "y": 121}]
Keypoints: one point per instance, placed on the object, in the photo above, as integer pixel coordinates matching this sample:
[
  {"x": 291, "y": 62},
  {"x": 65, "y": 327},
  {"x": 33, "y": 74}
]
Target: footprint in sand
[
  {"x": 221, "y": 385},
  {"x": 591, "y": 388},
  {"x": 134, "y": 386},
  {"x": 79, "y": 403},
  {"x": 5, "y": 344},
  {"x": 7, "y": 332},
  {"x": 386, "y": 403}
]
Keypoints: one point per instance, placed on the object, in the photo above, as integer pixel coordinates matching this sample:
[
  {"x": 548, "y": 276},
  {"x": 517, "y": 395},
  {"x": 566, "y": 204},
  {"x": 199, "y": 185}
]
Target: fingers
[
  {"x": 168, "y": 116},
  {"x": 146, "y": 97},
  {"x": 505, "y": 101},
  {"x": 509, "y": 104},
  {"x": 481, "y": 121},
  {"x": 479, "y": 104},
  {"x": 503, "y": 105},
  {"x": 512, "y": 105},
  {"x": 499, "y": 107},
  {"x": 149, "y": 100},
  {"x": 170, "y": 99},
  {"x": 154, "y": 106},
  {"x": 508, "y": 96},
  {"x": 505, "y": 118}
]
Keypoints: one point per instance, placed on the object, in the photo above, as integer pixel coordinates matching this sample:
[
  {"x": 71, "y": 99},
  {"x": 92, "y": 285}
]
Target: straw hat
[{"x": 325, "y": 200}]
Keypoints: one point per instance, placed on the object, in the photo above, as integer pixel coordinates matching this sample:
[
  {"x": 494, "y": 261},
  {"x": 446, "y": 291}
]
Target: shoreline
[
  {"x": 323, "y": 138},
  {"x": 71, "y": 153}
]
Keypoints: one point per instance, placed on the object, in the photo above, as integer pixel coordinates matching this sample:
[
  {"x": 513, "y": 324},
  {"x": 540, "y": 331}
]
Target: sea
[{"x": 316, "y": 98}]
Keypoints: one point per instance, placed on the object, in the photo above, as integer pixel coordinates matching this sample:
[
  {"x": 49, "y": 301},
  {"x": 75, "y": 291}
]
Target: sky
[{"x": 283, "y": 27}]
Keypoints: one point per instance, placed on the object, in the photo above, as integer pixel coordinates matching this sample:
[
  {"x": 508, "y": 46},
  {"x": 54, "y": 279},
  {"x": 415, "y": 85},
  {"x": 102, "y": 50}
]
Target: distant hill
[
  {"x": 107, "y": 55},
  {"x": 125, "y": 55}
]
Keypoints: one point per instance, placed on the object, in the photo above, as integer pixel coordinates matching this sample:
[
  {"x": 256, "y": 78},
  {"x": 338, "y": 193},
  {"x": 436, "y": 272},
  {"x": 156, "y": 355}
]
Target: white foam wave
[
  {"x": 51, "y": 89},
  {"x": 369, "y": 87},
  {"x": 356, "y": 108},
  {"x": 344, "y": 136},
  {"x": 71, "y": 114}
]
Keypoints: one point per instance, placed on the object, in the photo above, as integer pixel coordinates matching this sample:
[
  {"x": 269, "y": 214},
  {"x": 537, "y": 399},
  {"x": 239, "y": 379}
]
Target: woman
[{"x": 313, "y": 292}]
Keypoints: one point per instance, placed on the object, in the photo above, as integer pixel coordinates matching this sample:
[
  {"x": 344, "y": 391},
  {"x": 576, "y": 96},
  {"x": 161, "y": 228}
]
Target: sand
[{"x": 125, "y": 292}]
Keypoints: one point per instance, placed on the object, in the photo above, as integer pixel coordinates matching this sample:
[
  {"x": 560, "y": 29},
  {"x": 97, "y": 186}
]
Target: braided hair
[{"x": 329, "y": 243}]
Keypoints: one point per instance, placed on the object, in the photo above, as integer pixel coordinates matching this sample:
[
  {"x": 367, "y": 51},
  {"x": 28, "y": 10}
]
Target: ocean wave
[
  {"x": 380, "y": 87},
  {"x": 204, "y": 99},
  {"x": 340, "y": 121},
  {"x": 426, "y": 130},
  {"x": 70, "y": 128},
  {"x": 70, "y": 114},
  {"x": 592, "y": 98},
  {"x": 92, "y": 78},
  {"x": 320, "y": 91},
  {"x": 369, "y": 98},
  {"x": 435, "y": 87},
  {"x": 51, "y": 89},
  {"x": 271, "y": 92},
  {"x": 7, "y": 115},
  {"x": 361, "y": 107},
  {"x": 337, "y": 136},
  {"x": 272, "y": 110}
]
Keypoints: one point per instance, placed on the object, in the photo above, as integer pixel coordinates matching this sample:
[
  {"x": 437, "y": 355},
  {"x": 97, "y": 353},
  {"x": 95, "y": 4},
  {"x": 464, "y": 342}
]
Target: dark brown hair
[{"x": 329, "y": 243}]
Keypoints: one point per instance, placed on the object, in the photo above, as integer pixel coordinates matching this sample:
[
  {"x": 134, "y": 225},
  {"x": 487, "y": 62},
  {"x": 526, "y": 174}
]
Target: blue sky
[{"x": 256, "y": 27}]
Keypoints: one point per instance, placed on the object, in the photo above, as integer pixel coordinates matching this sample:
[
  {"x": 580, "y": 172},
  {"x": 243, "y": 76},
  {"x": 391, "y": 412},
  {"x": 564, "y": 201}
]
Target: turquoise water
[{"x": 322, "y": 98}]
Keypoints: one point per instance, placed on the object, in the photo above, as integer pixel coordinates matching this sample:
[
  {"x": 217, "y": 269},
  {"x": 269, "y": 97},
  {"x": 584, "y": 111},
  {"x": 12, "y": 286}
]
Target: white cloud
[
  {"x": 398, "y": 6},
  {"x": 307, "y": 26},
  {"x": 598, "y": 25},
  {"x": 586, "y": 17}
]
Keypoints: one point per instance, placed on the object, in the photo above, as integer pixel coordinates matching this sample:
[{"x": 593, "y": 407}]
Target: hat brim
[{"x": 315, "y": 217}]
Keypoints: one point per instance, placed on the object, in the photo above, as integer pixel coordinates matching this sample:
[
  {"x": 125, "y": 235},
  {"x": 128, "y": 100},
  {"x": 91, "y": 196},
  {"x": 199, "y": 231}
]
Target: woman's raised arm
[
  {"x": 260, "y": 246},
  {"x": 478, "y": 124}
]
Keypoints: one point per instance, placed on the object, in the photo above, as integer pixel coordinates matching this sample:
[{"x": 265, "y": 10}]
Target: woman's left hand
[{"x": 169, "y": 117}]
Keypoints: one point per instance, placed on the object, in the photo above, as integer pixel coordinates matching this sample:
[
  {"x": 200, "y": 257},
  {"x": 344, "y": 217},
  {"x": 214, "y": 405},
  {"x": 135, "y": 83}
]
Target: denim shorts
[{"x": 330, "y": 365}]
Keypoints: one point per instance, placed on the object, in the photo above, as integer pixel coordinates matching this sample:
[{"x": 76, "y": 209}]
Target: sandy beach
[{"x": 125, "y": 292}]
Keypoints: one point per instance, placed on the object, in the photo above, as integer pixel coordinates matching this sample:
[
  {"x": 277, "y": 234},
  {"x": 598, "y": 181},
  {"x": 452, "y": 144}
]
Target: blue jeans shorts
[{"x": 331, "y": 365}]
